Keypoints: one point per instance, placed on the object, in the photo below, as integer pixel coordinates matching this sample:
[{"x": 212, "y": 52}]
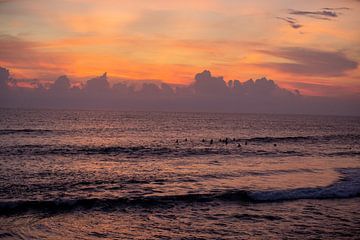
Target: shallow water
[{"x": 108, "y": 174}]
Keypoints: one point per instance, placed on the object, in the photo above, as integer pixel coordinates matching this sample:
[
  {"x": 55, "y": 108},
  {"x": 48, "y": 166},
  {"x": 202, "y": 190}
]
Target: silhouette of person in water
[{"x": 211, "y": 141}]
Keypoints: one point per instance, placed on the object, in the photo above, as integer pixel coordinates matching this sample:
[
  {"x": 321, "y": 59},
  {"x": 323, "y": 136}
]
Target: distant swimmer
[
  {"x": 234, "y": 139},
  {"x": 177, "y": 141},
  {"x": 275, "y": 144},
  {"x": 185, "y": 139},
  {"x": 226, "y": 141},
  {"x": 245, "y": 142},
  {"x": 211, "y": 141},
  {"x": 203, "y": 140}
]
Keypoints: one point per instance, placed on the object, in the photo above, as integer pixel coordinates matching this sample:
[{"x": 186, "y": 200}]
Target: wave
[
  {"x": 344, "y": 153},
  {"x": 125, "y": 183},
  {"x": 21, "y": 206},
  {"x": 347, "y": 187},
  {"x": 144, "y": 151},
  {"x": 140, "y": 151},
  {"x": 265, "y": 139},
  {"x": 321, "y": 138},
  {"x": 24, "y": 131}
]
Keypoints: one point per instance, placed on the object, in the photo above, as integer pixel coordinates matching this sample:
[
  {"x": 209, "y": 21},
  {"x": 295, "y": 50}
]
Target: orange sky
[{"x": 313, "y": 46}]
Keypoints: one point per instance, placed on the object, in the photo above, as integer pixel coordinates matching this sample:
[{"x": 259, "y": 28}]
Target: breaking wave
[{"x": 347, "y": 187}]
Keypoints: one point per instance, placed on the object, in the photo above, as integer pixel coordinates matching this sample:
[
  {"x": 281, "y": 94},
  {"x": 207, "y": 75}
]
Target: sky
[{"x": 312, "y": 46}]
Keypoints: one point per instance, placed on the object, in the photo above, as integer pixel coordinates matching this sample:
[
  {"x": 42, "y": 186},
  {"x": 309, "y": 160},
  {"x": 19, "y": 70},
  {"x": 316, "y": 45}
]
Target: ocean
[{"x": 69, "y": 174}]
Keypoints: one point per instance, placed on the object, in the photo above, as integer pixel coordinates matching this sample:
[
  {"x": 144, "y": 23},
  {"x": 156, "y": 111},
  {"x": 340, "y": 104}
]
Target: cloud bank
[{"x": 207, "y": 93}]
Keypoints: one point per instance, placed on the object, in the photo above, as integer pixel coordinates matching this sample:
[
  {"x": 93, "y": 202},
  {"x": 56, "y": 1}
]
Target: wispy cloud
[
  {"x": 311, "y": 62},
  {"x": 320, "y": 89},
  {"x": 21, "y": 53},
  {"x": 322, "y": 14},
  {"x": 335, "y": 9},
  {"x": 291, "y": 21},
  {"x": 326, "y": 13}
]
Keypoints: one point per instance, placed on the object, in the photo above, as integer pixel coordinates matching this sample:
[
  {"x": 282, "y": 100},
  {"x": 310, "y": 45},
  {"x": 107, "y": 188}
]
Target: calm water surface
[{"x": 138, "y": 175}]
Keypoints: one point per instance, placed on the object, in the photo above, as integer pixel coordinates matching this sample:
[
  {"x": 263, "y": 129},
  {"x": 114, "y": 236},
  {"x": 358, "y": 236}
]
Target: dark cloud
[
  {"x": 150, "y": 90},
  {"x": 61, "y": 85},
  {"x": 4, "y": 78},
  {"x": 207, "y": 93},
  {"x": 98, "y": 85},
  {"x": 123, "y": 89},
  {"x": 311, "y": 62},
  {"x": 167, "y": 89},
  {"x": 336, "y": 9},
  {"x": 291, "y": 21},
  {"x": 326, "y": 13},
  {"x": 322, "y": 14},
  {"x": 30, "y": 82},
  {"x": 205, "y": 84}
]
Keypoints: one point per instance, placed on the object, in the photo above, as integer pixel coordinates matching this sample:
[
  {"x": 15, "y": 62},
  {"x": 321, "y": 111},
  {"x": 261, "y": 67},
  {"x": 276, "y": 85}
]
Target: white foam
[{"x": 348, "y": 186}]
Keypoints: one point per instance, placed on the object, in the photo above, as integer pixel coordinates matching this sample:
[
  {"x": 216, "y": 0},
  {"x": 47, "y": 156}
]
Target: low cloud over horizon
[{"x": 207, "y": 93}]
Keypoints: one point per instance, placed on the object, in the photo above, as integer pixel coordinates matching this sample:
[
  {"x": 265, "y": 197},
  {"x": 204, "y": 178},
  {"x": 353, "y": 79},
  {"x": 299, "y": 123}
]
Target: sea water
[{"x": 67, "y": 174}]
